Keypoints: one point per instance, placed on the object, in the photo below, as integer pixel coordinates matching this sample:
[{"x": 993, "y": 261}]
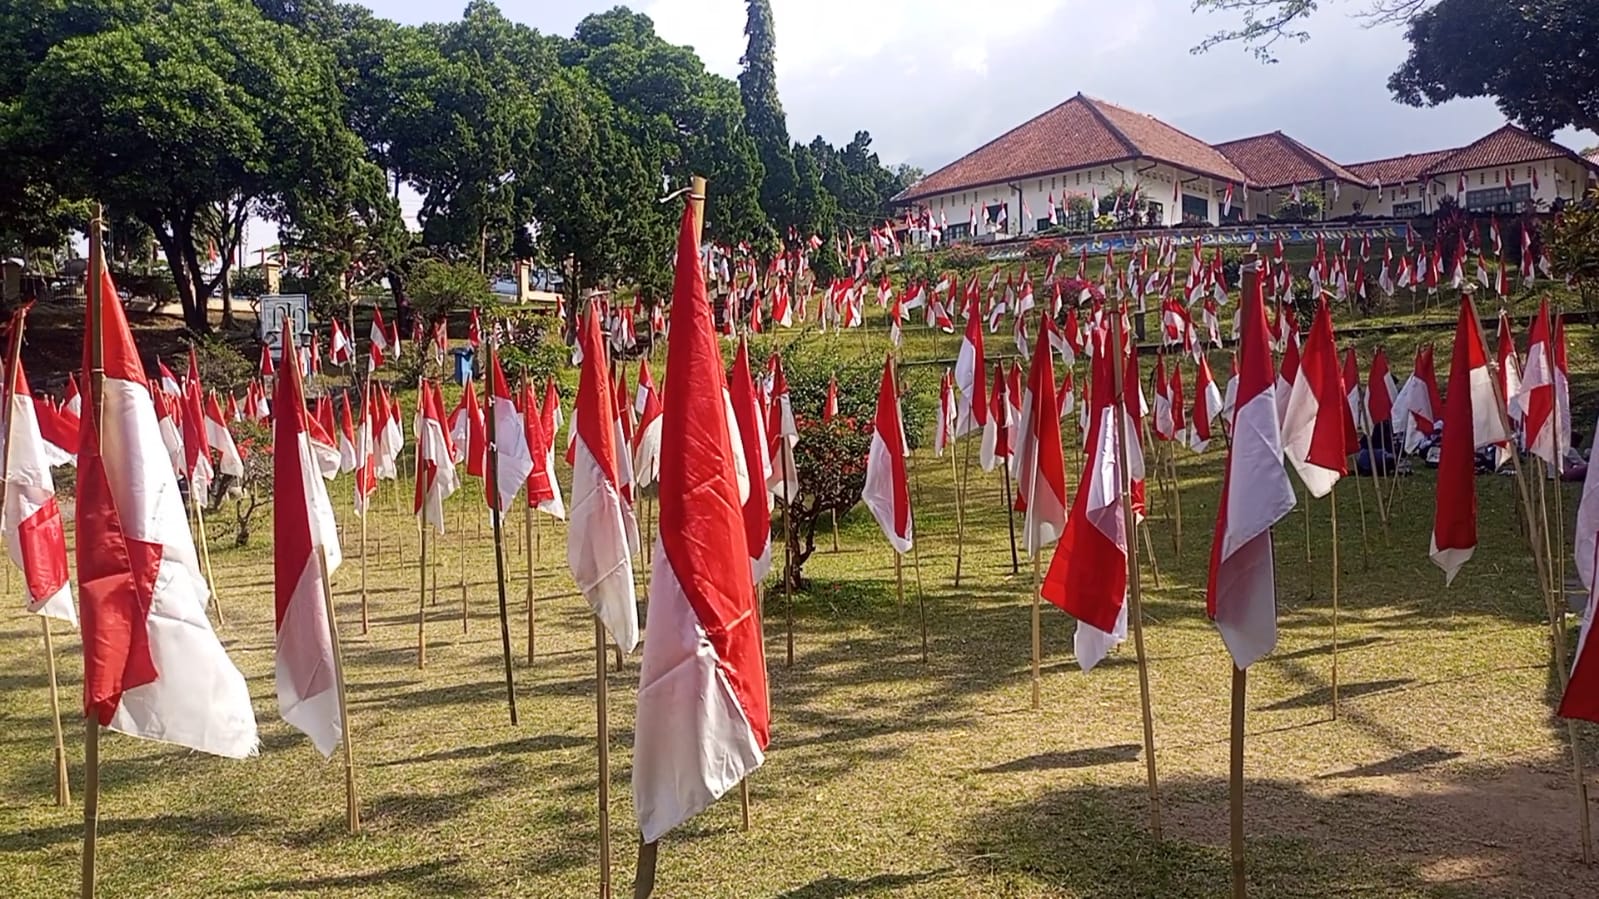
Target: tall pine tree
[{"x": 763, "y": 116}]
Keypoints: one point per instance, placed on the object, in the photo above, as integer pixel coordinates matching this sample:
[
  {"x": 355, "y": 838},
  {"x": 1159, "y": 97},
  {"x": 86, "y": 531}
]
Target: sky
[{"x": 933, "y": 79}]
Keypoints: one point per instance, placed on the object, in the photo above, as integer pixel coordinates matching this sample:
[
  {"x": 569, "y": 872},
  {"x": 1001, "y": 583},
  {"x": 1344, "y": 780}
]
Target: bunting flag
[
  {"x": 887, "y": 490},
  {"x": 32, "y": 523},
  {"x": 604, "y": 534},
  {"x": 1241, "y": 596},
  {"x": 304, "y": 538},
  {"x": 152, "y": 667},
  {"x": 703, "y": 718},
  {"x": 1471, "y": 421}
]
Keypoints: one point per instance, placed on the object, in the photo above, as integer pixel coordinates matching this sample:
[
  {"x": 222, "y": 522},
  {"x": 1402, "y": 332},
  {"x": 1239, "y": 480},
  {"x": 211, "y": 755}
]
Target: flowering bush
[{"x": 1046, "y": 248}]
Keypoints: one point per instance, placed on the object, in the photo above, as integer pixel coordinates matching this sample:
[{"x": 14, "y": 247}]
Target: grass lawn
[{"x": 1444, "y": 776}]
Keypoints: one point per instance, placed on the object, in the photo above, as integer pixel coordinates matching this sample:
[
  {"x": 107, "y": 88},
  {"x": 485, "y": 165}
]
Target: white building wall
[
  {"x": 1557, "y": 179},
  {"x": 1154, "y": 181}
]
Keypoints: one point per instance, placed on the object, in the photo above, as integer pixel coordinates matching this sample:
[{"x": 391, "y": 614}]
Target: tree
[
  {"x": 440, "y": 288},
  {"x": 172, "y": 113},
  {"x": 1573, "y": 241},
  {"x": 1534, "y": 58},
  {"x": 763, "y": 115}
]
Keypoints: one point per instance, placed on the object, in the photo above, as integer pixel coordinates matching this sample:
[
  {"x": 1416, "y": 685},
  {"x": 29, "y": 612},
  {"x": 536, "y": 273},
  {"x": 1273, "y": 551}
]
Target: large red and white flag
[
  {"x": 514, "y": 455},
  {"x": 1318, "y": 428},
  {"x": 436, "y": 478},
  {"x": 782, "y": 436},
  {"x": 887, "y": 491},
  {"x": 703, "y": 717},
  {"x": 1039, "y": 460},
  {"x": 152, "y": 666},
  {"x": 750, "y": 443},
  {"x": 1241, "y": 596},
  {"x": 1087, "y": 577},
  {"x": 35, "y": 536},
  {"x": 304, "y": 538},
  {"x": 1587, "y": 531},
  {"x": 1581, "y": 698},
  {"x": 1471, "y": 422},
  {"x": 604, "y": 534},
  {"x": 647, "y": 438}
]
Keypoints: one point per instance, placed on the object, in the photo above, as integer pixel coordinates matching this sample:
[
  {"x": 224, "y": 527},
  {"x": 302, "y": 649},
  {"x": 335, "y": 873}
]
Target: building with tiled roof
[{"x": 1090, "y": 148}]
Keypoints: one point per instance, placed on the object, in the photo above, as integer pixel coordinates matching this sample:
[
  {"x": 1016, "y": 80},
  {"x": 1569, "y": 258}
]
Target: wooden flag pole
[
  {"x": 1149, "y": 547},
  {"x": 461, "y": 530},
  {"x": 1176, "y": 498},
  {"x": 788, "y": 537},
  {"x": 422, "y": 597},
  {"x": 205, "y": 555},
  {"x": 532, "y": 564},
  {"x": 1038, "y": 639},
  {"x": 352, "y": 803},
  {"x": 899, "y": 582},
  {"x": 1135, "y": 589},
  {"x": 63, "y": 793},
  {"x": 1556, "y": 618},
  {"x": 1236, "y": 785},
  {"x": 1332, "y": 498},
  {"x": 1365, "y": 544},
  {"x": 91, "y": 721},
  {"x": 492, "y": 474},
  {"x": 960, "y": 505},
  {"x": 365, "y": 621},
  {"x": 1010, "y": 516},
  {"x": 603, "y": 736}
]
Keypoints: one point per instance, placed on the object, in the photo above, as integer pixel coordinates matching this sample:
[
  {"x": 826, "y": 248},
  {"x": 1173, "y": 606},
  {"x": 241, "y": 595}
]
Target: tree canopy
[{"x": 188, "y": 117}]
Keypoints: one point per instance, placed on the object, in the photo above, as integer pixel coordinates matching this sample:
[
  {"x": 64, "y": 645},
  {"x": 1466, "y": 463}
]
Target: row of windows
[{"x": 1095, "y": 178}]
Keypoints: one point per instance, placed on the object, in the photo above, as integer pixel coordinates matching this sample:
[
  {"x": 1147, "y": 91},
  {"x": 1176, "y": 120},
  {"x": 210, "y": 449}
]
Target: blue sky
[{"x": 933, "y": 79}]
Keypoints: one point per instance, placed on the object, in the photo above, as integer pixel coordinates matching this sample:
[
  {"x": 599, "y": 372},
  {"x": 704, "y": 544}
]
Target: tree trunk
[
  {"x": 193, "y": 311},
  {"x": 404, "y": 314}
]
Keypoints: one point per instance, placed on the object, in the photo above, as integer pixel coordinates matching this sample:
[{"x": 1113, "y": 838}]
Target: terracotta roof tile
[
  {"x": 1277, "y": 160},
  {"x": 1399, "y": 169},
  {"x": 1079, "y": 133},
  {"x": 1507, "y": 146}
]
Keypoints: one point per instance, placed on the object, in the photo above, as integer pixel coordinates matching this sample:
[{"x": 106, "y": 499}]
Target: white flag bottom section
[
  {"x": 599, "y": 549},
  {"x": 1450, "y": 560},
  {"x": 305, "y": 630},
  {"x": 692, "y": 742},
  {"x": 1091, "y": 645}
]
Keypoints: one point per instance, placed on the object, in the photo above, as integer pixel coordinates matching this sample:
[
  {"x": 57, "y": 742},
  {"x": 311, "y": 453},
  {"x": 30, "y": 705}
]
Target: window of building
[
  {"x": 1497, "y": 199},
  {"x": 1195, "y": 209},
  {"x": 958, "y": 231},
  {"x": 1155, "y": 214},
  {"x": 1407, "y": 210},
  {"x": 992, "y": 212}
]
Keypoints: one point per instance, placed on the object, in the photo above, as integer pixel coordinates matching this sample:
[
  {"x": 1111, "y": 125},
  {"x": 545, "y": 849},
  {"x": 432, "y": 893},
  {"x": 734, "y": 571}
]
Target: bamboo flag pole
[
  {"x": 1556, "y": 618},
  {"x": 91, "y": 722},
  {"x": 1360, "y": 493},
  {"x": 1010, "y": 514},
  {"x": 422, "y": 597},
  {"x": 960, "y": 505},
  {"x": 1176, "y": 498},
  {"x": 1236, "y": 784},
  {"x": 492, "y": 474},
  {"x": 1332, "y": 499},
  {"x": 788, "y": 537},
  {"x": 603, "y": 737},
  {"x": 532, "y": 565},
  {"x": 352, "y": 802},
  {"x": 1038, "y": 639},
  {"x": 205, "y": 555},
  {"x": 1135, "y": 590},
  {"x": 461, "y": 541},
  {"x": 13, "y": 365}
]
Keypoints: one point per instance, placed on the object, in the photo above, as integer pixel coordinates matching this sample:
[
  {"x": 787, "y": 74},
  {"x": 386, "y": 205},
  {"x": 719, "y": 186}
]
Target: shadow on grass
[
  {"x": 1076, "y": 758},
  {"x": 214, "y": 826},
  {"x": 1322, "y": 696},
  {"x": 434, "y": 878},
  {"x": 1403, "y": 763},
  {"x": 832, "y": 886},
  {"x": 542, "y": 743}
]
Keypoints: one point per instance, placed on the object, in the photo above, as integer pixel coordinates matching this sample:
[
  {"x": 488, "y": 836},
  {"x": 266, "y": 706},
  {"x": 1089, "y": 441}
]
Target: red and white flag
[
  {"x": 996, "y": 445},
  {"x": 340, "y": 351},
  {"x": 220, "y": 440},
  {"x": 349, "y": 457},
  {"x": 1241, "y": 596},
  {"x": 647, "y": 439},
  {"x": 1381, "y": 392},
  {"x": 887, "y": 490},
  {"x": 1087, "y": 577},
  {"x": 543, "y": 492},
  {"x": 749, "y": 434},
  {"x": 782, "y": 436},
  {"x": 1318, "y": 429},
  {"x": 468, "y": 435},
  {"x": 1352, "y": 393},
  {"x": 1417, "y": 407},
  {"x": 971, "y": 379},
  {"x": 169, "y": 381},
  {"x": 152, "y": 667},
  {"x": 703, "y": 716},
  {"x": 196, "y": 446},
  {"x": 1207, "y": 405},
  {"x": 511, "y": 450},
  {"x": 436, "y": 478},
  {"x": 830, "y": 404},
  {"x": 944, "y": 426},
  {"x": 1544, "y": 399},
  {"x": 1471, "y": 422},
  {"x": 604, "y": 534},
  {"x": 1587, "y": 539},
  {"x": 35, "y": 536},
  {"x": 304, "y": 539},
  {"x": 1509, "y": 369},
  {"x": 366, "y": 461},
  {"x": 1039, "y": 462}
]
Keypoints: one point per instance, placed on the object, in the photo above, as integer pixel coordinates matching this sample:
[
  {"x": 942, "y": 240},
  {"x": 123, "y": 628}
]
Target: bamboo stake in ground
[
  {"x": 532, "y": 564},
  {"x": 462, "y": 541},
  {"x": 1038, "y": 640},
  {"x": 1236, "y": 785},
  {"x": 1176, "y": 498},
  {"x": 960, "y": 505},
  {"x": 1332, "y": 498},
  {"x": 788, "y": 537},
  {"x": 1360, "y": 493},
  {"x": 492, "y": 474},
  {"x": 352, "y": 803},
  {"x": 365, "y": 622},
  {"x": 603, "y": 736},
  {"x": 1010, "y": 517},
  {"x": 422, "y": 598},
  {"x": 1135, "y": 590},
  {"x": 63, "y": 792},
  {"x": 205, "y": 555}
]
